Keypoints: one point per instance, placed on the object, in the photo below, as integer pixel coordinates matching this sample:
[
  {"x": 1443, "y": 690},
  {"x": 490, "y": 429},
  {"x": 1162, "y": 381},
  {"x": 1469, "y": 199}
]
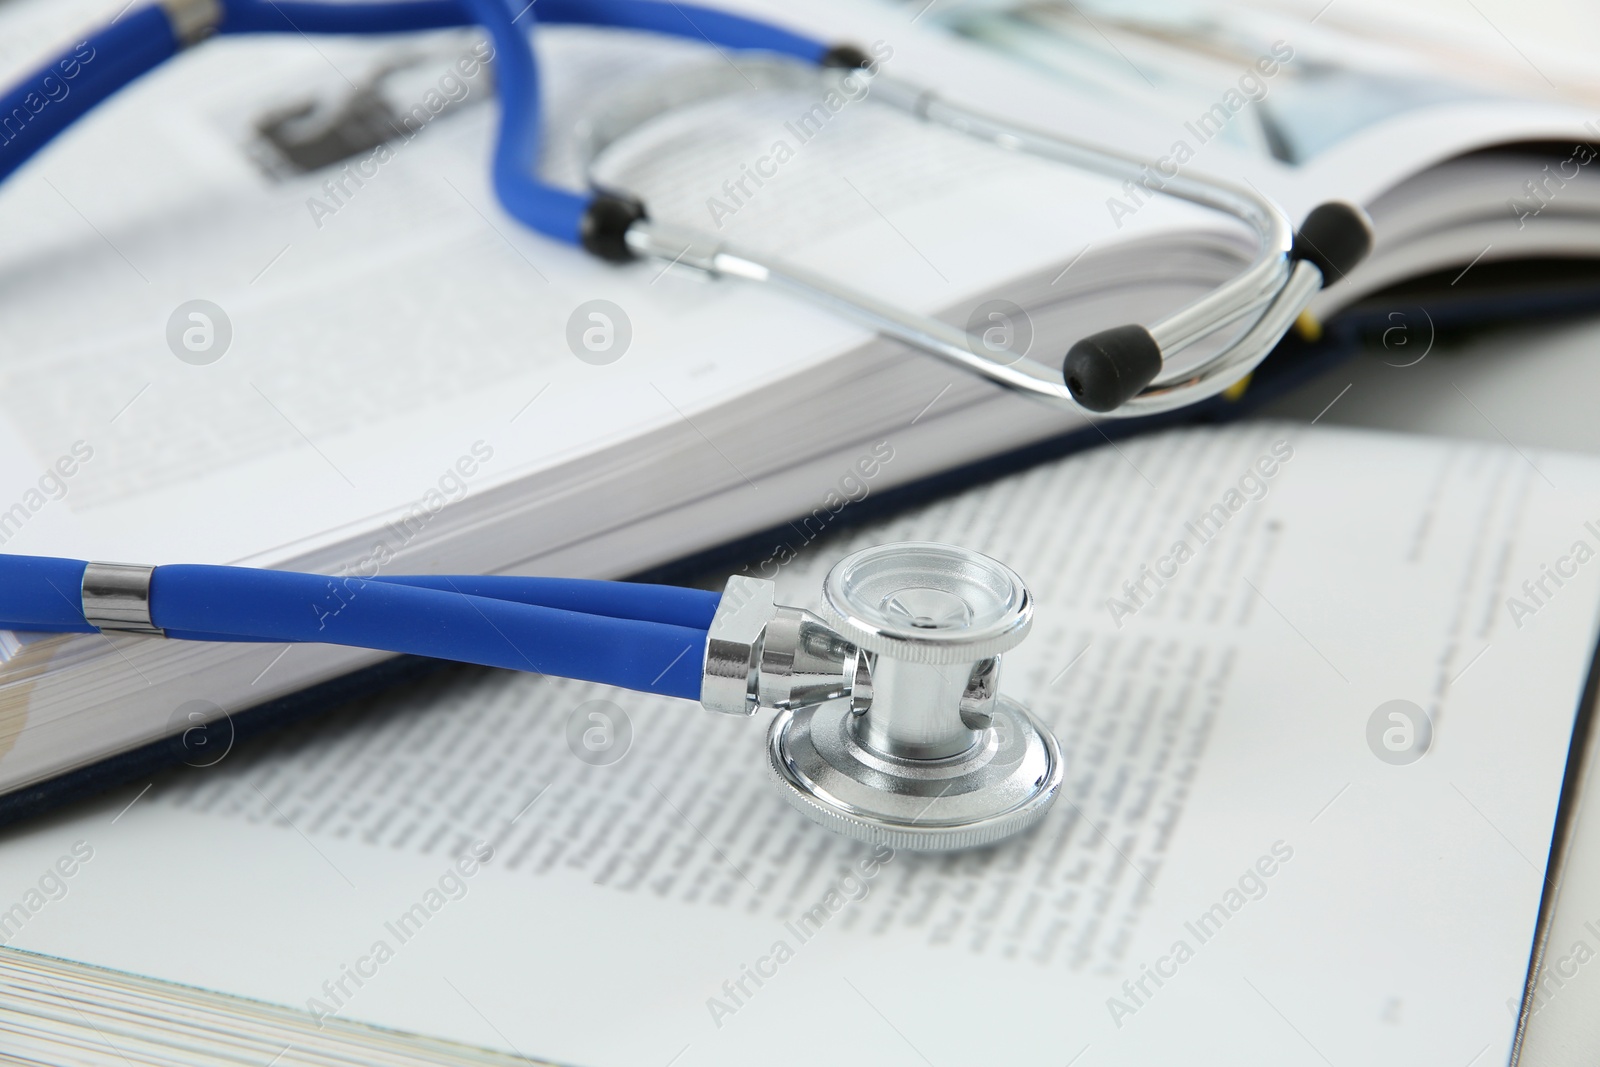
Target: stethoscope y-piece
[
  {"x": 891, "y": 727},
  {"x": 1124, "y": 371}
]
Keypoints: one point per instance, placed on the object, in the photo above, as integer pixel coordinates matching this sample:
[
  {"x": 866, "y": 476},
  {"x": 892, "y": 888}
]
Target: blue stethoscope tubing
[
  {"x": 143, "y": 39},
  {"x": 645, "y": 637}
]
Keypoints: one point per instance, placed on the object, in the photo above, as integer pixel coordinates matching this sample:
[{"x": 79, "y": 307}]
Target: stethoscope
[{"x": 890, "y": 725}]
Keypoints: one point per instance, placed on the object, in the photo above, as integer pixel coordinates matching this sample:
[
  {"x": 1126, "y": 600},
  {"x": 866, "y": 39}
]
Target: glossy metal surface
[
  {"x": 760, "y": 654},
  {"x": 1003, "y": 785},
  {"x": 116, "y": 598}
]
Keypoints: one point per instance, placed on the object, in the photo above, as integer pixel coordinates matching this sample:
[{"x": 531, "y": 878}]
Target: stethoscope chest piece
[
  {"x": 1001, "y": 787},
  {"x": 917, "y": 749}
]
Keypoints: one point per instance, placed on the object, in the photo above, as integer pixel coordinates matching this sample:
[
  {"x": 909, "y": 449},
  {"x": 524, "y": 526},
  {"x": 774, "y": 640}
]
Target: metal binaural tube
[
  {"x": 1176, "y": 331},
  {"x": 1256, "y": 292}
]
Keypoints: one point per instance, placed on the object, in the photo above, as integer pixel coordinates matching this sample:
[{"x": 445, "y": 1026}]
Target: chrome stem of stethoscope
[{"x": 1120, "y": 372}]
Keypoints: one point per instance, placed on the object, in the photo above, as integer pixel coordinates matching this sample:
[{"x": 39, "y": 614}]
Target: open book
[
  {"x": 1311, "y": 779},
  {"x": 237, "y": 331}
]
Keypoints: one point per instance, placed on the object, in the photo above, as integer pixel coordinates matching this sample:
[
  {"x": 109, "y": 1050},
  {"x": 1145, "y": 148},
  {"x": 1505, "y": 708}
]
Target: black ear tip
[
  {"x": 1334, "y": 238},
  {"x": 1107, "y": 369},
  {"x": 845, "y": 56},
  {"x": 603, "y": 228}
]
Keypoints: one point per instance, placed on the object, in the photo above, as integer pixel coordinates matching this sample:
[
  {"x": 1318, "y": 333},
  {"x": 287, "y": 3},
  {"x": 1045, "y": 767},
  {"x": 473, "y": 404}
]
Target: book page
[
  {"x": 1252, "y": 856},
  {"x": 1309, "y": 104}
]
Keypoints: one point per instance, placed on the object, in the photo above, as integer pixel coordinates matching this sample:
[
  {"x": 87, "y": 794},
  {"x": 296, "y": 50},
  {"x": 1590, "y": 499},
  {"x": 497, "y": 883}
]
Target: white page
[
  {"x": 1352, "y": 108},
  {"x": 1217, "y": 724}
]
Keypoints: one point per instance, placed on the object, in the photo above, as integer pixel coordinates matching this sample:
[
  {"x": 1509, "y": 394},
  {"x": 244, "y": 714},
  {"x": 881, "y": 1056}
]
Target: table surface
[{"x": 1531, "y": 387}]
